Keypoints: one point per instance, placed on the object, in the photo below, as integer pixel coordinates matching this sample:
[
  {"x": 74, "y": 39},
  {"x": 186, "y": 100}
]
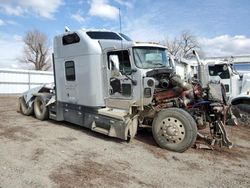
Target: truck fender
[
  {"x": 49, "y": 97},
  {"x": 29, "y": 96},
  {"x": 242, "y": 102}
]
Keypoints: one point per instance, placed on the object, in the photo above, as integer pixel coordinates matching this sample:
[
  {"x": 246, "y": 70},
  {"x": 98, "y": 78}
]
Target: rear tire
[
  {"x": 25, "y": 108},
  {"x": 174, "y": 129},
  {"x": 40, "y": 108}
]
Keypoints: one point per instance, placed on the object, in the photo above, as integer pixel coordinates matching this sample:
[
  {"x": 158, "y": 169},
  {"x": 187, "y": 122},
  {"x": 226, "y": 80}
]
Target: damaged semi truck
[
  {"x": 237, "y": 87},
  {"x": 114, "y": 86}
]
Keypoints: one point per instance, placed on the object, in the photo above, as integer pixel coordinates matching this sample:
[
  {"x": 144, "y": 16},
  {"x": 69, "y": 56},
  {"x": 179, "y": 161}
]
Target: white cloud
[
  {"x": 143, "y": 33},
  {"x": 18, "y": 38},
  {"x": 6, "y": 22},
  {"x": 11, "y": 22},
  {"x": 11, "y": 48},
  {"x": 142, "y": 28},
  {"x": 42, "y": 8},
  {"x": 225, "y": 45},
  {"x": 78, "y": 16},
  {"x": 1, "y": 22},
  {"x": 101, "y": 8},
  {"x": 11, "y": 10}
]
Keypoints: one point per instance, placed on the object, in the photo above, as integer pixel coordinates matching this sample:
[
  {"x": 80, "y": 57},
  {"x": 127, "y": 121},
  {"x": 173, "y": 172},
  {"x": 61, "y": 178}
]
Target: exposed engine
[{"x": 206, "y": 105}]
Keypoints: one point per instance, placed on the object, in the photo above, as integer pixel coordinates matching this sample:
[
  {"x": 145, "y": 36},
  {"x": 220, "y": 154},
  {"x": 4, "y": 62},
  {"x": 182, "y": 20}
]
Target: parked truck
[
  {"x": 114, "y": 86},
  {"x": 237, "y": 86}
]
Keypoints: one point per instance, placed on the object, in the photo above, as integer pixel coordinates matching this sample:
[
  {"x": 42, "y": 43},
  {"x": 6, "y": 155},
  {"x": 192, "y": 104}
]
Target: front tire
[
  {"x": 174, "y": 129},
  {"x": 40, "y": 108}
]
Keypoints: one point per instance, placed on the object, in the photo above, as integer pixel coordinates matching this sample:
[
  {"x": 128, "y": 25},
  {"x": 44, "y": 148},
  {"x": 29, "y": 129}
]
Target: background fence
[{"x": 13, "y": 82}]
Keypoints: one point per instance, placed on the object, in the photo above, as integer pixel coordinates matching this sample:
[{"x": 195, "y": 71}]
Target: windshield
[
  {"x": 242, "y": 67},
  {"x": 150, "y": 57},
  {"x": 219, "y": 70}
]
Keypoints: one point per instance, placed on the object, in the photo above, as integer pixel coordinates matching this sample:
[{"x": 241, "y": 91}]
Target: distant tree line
[{"x": 183, "y": 45}]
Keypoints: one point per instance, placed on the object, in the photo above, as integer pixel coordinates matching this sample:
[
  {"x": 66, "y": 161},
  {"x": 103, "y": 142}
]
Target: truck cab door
[
  {"x": 119, "y": 77},
  {"x": 221, "y": 73}
]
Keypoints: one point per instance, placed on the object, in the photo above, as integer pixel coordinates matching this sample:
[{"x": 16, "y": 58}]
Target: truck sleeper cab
[{"x": 108, "y": 83}]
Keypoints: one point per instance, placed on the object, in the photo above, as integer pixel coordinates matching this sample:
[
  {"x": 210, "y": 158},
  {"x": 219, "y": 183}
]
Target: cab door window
[
  {"x": 119, "y": 62},
  {"x": 119, "y": 66},
  {"x": 219, "y": 70}
]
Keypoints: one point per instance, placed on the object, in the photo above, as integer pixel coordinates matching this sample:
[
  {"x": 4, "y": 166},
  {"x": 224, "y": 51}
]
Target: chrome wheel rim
[{"x": 172, "y": 130}]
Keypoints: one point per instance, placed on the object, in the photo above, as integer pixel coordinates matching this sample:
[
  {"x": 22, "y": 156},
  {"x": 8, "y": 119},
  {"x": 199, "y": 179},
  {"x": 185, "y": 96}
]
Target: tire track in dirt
[{"x": 89, "y": 173}]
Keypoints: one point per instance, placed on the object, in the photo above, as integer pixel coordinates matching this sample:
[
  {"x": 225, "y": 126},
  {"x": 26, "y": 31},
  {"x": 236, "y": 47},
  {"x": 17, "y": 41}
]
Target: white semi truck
[
  {"x": 112, "y": 85},
  {"x": 237, "y": 86}
]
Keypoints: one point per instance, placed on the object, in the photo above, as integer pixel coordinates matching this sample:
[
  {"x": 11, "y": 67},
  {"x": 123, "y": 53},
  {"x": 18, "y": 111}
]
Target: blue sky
[{"x": 222, "y": 26}]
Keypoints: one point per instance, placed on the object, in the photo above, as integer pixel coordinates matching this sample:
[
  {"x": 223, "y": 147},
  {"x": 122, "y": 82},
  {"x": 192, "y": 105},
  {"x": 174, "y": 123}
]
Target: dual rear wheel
[{"x": 38, "y": 108}]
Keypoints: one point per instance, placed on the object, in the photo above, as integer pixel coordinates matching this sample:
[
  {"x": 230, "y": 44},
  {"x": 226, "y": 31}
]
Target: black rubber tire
[
  {"x": 186, "y": 120},
  {"x": 40, "y": 108},
  {"x": 242, "y": 114},
  {"x": 24, "y": 108}
]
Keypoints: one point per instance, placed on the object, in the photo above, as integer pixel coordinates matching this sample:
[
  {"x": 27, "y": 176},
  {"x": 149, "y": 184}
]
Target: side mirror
[
  {"x": 114, "y": 62},
  {"x": 116, "y": 66}
]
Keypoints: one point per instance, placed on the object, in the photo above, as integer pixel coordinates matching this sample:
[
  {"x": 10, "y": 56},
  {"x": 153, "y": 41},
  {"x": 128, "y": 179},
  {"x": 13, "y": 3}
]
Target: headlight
[{"x": 150, "y": 83}]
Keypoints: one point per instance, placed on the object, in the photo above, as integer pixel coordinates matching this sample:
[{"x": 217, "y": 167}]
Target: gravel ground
[{"x": 51, "y": 154}]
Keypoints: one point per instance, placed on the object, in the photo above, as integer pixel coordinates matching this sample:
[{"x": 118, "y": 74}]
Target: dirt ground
[{"x": 37, "y": 153}]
